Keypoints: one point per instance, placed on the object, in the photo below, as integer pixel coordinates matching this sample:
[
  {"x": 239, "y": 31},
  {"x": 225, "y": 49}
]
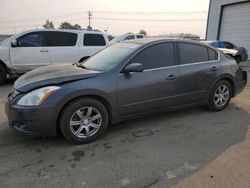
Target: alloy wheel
[
  {"x": 221, "y": 95},
  {"x": 85, "y": 122}
]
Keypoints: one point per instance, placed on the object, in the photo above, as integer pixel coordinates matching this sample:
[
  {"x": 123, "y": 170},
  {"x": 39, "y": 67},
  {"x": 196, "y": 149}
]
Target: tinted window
[
  {"x": 213, "y": 55},
  {"x": 156, "y": 56},
  {"x": 93, "y": 40},
  {"x": 192, "y": 53},
  {"x": 61, "y": 39},
  {"x": 218, "y": 44},
  {"x": 35, "y": 39},
  {"x": 228, "y": 45},
  {"x": 139, "y": 36},
  {"x": 130, "y": 37}
]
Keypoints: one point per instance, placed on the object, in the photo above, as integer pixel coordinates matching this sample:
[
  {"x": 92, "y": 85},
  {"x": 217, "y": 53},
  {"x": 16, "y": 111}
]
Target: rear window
[
  {"x": 212, "y": 54},
  {"x": 130, "y": 37},
  {"x": 139, "y": 36},
  {"x": 61, "y": 39},
  {"x": 94, "y": 40}
]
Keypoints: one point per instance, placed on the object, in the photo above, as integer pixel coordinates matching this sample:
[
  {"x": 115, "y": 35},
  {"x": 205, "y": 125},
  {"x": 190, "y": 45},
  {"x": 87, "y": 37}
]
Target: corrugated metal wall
[{"x": 235, "y": 24}]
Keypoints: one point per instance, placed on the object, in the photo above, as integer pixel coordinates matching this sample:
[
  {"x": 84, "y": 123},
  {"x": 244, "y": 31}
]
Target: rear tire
[
  {"x": 3, "y": 75},
  {"x": 220, "y": 96},
  {"x": 83, "y": 121}
]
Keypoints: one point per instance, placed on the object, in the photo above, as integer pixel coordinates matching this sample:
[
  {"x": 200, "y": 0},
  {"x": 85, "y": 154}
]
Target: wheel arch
[
  {"x": 4, "y": 65},
  {"x": 228, "y": 78},
  {"x": 99, "y": 98}
]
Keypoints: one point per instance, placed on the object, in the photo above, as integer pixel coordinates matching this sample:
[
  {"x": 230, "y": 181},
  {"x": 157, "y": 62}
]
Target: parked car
[
  {"x": 238, "y": 53},
  {"x": 123, "y": 81},
  {"x": 32, "y": 49},
  {"x": 126, "y": 37}
]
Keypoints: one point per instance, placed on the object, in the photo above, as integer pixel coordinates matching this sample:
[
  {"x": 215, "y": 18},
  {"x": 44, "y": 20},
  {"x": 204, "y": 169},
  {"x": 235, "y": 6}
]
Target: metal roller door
[{"x": 235, "y": 25}]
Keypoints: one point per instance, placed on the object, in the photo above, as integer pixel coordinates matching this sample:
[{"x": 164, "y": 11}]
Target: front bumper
[{"x": 35, "y": 121}]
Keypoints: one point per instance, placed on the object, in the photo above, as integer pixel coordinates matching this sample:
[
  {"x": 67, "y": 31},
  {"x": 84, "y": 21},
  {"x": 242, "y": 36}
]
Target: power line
[
  {"x": 117, "y": 12},
  {"x": 40, "y": 24},
  {"x": 99, "y": 12},
  {"x": 148, "y": 20},
  {"x": 42, "y": 18}
]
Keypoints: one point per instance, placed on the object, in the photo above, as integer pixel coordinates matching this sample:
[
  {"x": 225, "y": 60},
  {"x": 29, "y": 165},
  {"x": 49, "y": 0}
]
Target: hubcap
[
  {"x": 85, "y": 122},
  {"x": 221, "y": 95}
]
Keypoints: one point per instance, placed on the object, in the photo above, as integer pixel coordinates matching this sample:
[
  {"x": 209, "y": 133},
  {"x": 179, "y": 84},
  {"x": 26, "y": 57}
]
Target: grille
[{"x": 13, "y": 94}]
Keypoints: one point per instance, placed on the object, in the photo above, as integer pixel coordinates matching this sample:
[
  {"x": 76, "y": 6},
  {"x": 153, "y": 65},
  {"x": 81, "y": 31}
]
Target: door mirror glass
[
  {"x": 14, "y": 43},
  {"x": 134, "y": 67}
]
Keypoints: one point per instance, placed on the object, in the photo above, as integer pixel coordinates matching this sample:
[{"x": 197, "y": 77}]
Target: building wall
[{"x": 214, "y": 15}]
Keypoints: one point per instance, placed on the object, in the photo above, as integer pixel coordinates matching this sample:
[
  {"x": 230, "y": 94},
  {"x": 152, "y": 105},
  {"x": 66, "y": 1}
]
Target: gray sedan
[{"x": 123, "y": 81}]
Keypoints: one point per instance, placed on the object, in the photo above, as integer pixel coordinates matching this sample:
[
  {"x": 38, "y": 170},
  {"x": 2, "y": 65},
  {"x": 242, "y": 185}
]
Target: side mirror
[
  {"x": 134, "y": 67},
  {"x": 14, "y": 43}
]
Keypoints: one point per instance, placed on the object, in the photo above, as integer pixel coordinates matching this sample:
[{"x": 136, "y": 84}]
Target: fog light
[{"x": 20, "y": 125}]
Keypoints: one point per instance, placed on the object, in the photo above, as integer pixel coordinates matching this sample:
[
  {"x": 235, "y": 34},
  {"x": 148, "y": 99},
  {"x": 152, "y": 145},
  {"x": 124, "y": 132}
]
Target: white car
[
  {"x": 32, "y": 49},
  {"x": 126, "y": 37}
]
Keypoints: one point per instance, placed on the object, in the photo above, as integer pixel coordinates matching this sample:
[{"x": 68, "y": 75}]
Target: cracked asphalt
[{"x": 165, "y": 149}]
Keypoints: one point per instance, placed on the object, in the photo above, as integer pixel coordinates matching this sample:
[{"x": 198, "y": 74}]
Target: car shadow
[{"x": 162, "y": 147}]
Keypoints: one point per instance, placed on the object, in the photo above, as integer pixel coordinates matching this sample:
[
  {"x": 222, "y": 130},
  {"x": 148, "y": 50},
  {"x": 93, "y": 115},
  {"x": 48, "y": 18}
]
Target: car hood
[{"x": 52, "y": 75}]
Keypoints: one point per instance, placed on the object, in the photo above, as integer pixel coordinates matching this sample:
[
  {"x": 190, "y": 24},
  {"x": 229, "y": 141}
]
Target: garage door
[{"x": 235, "y": 25}]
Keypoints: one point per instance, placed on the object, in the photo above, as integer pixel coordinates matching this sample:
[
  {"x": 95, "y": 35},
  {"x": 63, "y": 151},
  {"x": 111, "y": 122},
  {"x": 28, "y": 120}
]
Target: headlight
[{"x": 38, "y": 96}]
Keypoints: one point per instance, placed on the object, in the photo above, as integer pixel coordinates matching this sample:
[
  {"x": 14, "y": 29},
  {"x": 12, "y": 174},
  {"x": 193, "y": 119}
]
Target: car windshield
[
  {"x": 110, "y": 57},
  {"x": 117, "y": 39}
]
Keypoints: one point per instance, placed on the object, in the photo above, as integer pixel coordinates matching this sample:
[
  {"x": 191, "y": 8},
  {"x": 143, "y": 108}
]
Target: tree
[
  {"x": 48, "y": 25},
  {"x": 143, "y": 32},
  {"x": 77, "y": 26},
  {"x": 66, "y": 25}
]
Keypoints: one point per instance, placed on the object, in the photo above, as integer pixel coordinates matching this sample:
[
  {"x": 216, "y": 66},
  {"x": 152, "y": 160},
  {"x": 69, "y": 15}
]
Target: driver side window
[
  {"x": 35, "y": 39},
  {"x": 156, "y": 56}
]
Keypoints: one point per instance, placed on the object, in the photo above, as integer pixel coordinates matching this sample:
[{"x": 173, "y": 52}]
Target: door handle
[
  {"x": 171, "y": 77},
  {"x": 213, "y": 69},
  {"x": 44, "y": 51}
]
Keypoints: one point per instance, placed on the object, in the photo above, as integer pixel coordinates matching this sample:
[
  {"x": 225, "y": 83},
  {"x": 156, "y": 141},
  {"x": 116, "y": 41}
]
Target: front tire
[
  {"x": 220, "y": 96},
  {"x": 83, "y": 120},
  {"x": 3, "y": 75}
]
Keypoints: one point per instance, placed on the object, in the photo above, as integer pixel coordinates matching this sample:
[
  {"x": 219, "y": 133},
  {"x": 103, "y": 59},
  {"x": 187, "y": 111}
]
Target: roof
[
  {"x": 65, "y": 30},
  {"x": 145, "y": 41}
]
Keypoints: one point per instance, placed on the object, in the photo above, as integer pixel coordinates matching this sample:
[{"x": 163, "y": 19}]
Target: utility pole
[{"x": 89, "y": 17}]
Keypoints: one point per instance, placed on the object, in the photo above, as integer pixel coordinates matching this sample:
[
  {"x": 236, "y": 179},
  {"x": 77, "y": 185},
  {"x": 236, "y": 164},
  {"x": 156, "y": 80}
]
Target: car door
[
  {"x": 30, "y": 53},
  {"x": 91, "y": 44},
  {"x": 62, "y": 47},
  {"x": 156, "y": 87},
  {"x": 199, "y": 68}
]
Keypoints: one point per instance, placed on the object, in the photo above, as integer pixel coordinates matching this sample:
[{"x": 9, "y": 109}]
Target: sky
[{"x": 116, "y": 16}]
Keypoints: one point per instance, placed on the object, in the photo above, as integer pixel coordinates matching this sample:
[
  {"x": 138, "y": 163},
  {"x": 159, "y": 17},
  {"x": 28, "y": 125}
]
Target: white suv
[{"x": 32, "y": 49}]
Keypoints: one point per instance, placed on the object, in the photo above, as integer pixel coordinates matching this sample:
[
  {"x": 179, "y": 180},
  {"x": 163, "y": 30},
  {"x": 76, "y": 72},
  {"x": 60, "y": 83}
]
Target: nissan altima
[{"x": 123, "y": 81}]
